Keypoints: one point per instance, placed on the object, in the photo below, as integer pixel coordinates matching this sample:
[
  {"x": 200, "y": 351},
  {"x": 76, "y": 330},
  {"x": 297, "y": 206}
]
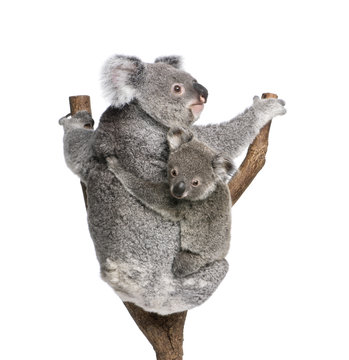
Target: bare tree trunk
[{"x": 165, "y": 333}]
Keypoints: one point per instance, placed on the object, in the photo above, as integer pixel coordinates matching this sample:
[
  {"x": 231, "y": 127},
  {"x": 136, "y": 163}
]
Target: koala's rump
[{"x": 136, "y": 248}]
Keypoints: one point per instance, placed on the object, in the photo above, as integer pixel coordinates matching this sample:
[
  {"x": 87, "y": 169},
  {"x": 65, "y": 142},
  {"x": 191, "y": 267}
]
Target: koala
[
  {"x": 196, "y": 195},
  {"x": 77, "y": 147},
  {"x": 135, "y": 245}
]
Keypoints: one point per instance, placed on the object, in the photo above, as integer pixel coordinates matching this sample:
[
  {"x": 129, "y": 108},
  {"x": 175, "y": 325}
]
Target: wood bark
[{"x": 165, "y": 333}]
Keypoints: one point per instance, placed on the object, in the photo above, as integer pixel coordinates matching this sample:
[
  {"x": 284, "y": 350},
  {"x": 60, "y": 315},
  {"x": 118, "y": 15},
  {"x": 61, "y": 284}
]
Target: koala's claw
[
  {"x": 83, "y": 114},
  {"x": 62, "y": 120},
  {"x": 86, "y": 117},
  {"x": 82, "y": 119},
  {"x": 270, "y": 107},
  {"x": 257, "y": 99}
]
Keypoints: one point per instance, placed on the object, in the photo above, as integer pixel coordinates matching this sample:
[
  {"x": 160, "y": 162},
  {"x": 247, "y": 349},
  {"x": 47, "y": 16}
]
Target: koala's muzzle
[
  {"x": 201, "y": 90},
  {"x": 178, "y": 189}
]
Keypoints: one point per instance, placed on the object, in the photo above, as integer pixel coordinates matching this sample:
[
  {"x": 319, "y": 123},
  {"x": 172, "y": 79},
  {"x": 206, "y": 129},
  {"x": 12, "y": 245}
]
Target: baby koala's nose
[{"x": 179, "y": 189}]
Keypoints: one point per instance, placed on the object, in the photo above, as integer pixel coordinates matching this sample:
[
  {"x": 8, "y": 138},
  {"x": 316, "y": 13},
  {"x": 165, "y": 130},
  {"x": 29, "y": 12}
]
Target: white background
[{"x": 286, "y": 295}]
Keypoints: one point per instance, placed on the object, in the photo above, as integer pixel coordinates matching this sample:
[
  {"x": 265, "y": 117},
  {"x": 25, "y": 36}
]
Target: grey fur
[
  {"x": 175, "y": 61},
  {"x": 136, "y": 246},
  {"x": 203, "y": 210},
  {"x": 77, "y": 142}
]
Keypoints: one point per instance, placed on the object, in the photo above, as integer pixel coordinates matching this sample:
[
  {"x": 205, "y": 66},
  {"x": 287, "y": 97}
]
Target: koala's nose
[
  {"x": 202, "y": 91},
  {"x": 179, "y": 189}
]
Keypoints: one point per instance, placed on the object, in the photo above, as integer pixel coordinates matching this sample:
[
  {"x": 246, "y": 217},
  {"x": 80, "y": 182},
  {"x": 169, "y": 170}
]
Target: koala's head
[
  {"x": 80, "y": 120},
  {"x": 164, "y": 91},
  {"x": 194, "y": 169}
]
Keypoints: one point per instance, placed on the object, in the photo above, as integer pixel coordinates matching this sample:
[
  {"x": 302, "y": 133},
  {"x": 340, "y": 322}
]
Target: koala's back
[
  {"x": 122, "y": 228},
  {"x": 137, "y": 140}
]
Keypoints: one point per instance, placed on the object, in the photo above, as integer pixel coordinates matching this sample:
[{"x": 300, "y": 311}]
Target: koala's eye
[
  {"x": 195, "y": 183},
  {"x": 178, "y": 89},
  {"x": 174, "y": 172}
]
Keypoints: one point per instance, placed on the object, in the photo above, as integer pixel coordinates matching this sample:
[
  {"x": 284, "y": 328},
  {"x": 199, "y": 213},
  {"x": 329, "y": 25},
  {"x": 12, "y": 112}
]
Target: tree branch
[{"x": 253, "y": 162}]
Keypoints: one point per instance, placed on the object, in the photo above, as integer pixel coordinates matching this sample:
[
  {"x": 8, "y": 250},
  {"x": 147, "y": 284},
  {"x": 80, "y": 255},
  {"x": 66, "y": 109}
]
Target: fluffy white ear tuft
[
  {"x": 223, "y": 167},
  {"x": 174, "y": 60},
  {"x": 120, "y": 76},
  {"x": 178, "y": 136}
]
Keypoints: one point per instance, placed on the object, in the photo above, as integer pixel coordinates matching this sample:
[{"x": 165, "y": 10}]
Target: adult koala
[{"x": 136, "y": 246}]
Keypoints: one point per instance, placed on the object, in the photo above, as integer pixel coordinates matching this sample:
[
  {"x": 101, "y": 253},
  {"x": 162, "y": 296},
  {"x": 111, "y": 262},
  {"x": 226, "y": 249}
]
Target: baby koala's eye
[
  {"x": 195, "y": 183},
  {"x": 178, "y": 89},
  {"x": 174, "y": 172}
]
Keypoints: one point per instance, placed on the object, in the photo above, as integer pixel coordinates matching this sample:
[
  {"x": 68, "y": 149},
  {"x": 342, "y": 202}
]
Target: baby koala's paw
[
  {"x": 113, "y": 163},
  {"x": 269, "y": 108},
  {"x": 178, "y": 136}
]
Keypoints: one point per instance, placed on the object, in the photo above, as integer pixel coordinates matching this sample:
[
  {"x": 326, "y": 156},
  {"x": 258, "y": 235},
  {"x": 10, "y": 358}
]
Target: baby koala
[
  {"x": 196, "y": 195},
  {"x": 78, "y": 132}
]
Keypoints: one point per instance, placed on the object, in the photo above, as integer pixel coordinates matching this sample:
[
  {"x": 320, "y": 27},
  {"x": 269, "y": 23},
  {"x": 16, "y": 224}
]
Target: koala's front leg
[
  {"x": 186, "y": 263},
  {"x": 78, "y": 133},
  {"x": 233, "y": 136}
]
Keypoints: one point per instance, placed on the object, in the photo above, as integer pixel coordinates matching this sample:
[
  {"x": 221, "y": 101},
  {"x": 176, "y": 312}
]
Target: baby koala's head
[{"x": 194, "y": 169}]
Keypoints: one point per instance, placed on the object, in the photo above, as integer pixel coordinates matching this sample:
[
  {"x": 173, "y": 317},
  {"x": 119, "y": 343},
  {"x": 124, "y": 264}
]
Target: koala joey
[
  {"x": 196, "y": 194},
  {"x": 77, "y": 142},
  {"x": 135, "y": 245}
]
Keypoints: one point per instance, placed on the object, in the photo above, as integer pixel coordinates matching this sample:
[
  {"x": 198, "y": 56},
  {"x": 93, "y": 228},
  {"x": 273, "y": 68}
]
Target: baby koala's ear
[
  {"x": 223, "y": 167},
  {"x": 178, "y": 136}
]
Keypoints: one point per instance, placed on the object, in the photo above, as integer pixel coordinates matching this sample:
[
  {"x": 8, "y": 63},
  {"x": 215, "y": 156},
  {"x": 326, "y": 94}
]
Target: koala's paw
[
  {"x": 63, "y": 119},
  {"x": 181, "y": 131},
  {"x": 85, "y": 118},
  {"x": 186, "y": 263},
  {"x": 178, "y": 136},
  {"x": 269, "y": 108},
  {"x": 80, "y": 120},
  {"x": 82, "y": 115}
]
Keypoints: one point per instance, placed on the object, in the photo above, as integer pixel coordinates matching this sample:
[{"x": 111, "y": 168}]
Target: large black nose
[
  {"x": 179, "y": 189},
  {"x": 201, "y": 90}
]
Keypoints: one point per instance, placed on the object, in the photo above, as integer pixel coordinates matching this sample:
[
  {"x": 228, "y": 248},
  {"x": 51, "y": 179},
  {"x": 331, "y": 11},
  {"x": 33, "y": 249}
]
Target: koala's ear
[
  {"x": 223, "y": 167},
  {"x": 175, "y": 61},
  {"x": 120, "y": 77},
  {"x": 178, "y": 136}
]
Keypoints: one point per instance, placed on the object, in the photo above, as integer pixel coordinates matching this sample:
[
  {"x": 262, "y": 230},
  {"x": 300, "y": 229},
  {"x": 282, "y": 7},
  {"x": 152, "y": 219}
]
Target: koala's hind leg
[
  {"x": 196, "y": 288},
  {"x": 186, "y": 263}
]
